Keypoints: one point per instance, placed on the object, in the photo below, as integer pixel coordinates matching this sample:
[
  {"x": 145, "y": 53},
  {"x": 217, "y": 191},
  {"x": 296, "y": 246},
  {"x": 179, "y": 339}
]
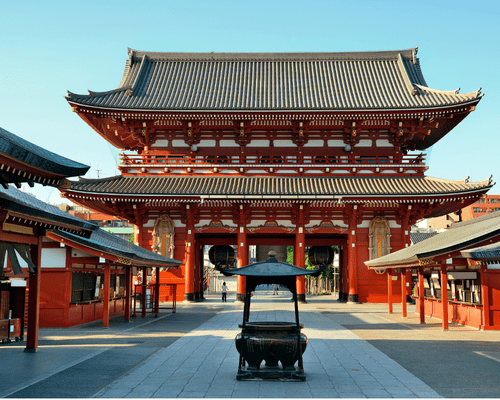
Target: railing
[
  {"x": 136, "y": 164},
  {"x": 148, "y": 302}
]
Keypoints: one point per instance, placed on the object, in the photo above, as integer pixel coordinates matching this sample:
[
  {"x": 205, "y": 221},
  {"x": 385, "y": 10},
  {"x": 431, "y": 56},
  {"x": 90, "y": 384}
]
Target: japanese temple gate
[{"x": 295, "y": 149}]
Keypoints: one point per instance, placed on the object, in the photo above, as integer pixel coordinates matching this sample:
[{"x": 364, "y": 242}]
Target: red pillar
[
  {"x": 105, "y": 303},
  {"x": 352, "y": 251},
  {"x": 242, "y": 255},
  {"x": 421, "y": 301},
  {"x": 403, "y": 293},
  {"x": 128, "y": 291},
  {"x": 189, "y": 257},
  {"x": 144, "y": 291},
  {"x": 345, "y": 271},
  {"x": 444, "y": 295},
  {"x": 389, "y": 290},
  {"x": 485, "y": 298},
  {"x": 300, "y": 255},
  {"x": 157, "y": 292},
  {"x": 34, "y": 286}
]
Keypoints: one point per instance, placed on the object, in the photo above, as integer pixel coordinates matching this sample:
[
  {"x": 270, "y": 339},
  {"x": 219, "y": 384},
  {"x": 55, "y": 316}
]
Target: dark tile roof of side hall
[
  {"x": 22, "y": 155},
  {"x": 464, "y": 235},
  {"x": 380, "y": 80}
]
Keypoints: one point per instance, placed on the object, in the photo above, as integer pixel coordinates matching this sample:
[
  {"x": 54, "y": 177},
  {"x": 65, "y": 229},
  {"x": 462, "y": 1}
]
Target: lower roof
[{"x": 278, "y": 187}]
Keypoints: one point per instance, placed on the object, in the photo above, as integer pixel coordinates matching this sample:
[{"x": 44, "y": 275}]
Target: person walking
[{"x": 224, "y": 292}]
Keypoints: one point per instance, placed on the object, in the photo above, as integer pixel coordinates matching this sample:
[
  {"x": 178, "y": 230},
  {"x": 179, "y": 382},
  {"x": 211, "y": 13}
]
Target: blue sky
[{"x": 49, "y": 47}]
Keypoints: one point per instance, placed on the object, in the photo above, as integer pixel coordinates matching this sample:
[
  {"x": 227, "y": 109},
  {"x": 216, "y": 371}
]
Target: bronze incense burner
[{"x": 279, "y": 345}]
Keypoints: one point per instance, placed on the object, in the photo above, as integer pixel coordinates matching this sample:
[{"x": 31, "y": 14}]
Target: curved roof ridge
[
  {"x": 465, "y": 181},
  {"x": 456, "y": 92},
  {"x": 71, "y": 95},
  {"x": 409, "y": 54}
]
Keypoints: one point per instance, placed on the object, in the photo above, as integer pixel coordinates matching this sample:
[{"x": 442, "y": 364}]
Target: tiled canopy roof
[
  {"x": 278, "y": 187},
  {"x": 273, "y": 81},
  {"x": 44, "y": 163},
  {"x": 463, "y": 235},
  {"x": 488, "y": 253},
  {"x": 15, "y": 201},
  {"x": 108, "y": 243}
]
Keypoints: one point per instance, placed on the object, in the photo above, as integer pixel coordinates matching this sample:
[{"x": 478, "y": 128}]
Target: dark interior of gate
[{"x": 209, "y": 280}]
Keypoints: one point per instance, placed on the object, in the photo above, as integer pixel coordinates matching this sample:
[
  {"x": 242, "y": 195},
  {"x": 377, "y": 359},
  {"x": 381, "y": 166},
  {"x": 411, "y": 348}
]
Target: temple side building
[{"x": 295, "y": 149}]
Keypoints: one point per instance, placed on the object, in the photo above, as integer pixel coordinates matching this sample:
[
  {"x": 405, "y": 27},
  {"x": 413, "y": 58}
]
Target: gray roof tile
[
  {"x": 273, "y": 81},
  {"x": 275, "y": 186}
]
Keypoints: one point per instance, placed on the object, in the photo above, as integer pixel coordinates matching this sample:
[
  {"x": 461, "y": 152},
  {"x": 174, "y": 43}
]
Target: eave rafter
[{"x": 135, "y": 129}]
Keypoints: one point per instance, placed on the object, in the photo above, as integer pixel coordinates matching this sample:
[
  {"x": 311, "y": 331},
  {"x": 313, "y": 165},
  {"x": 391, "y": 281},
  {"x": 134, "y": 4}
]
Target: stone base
[
  {"x": 271, "y": 373},
  {"x": 240, "y": 297},
  {"x": 352, "y": 298},
  {"x": 301, "y": 298},
  {"x": 31, "y": 350},
  {"x": 189, "y": 297}
]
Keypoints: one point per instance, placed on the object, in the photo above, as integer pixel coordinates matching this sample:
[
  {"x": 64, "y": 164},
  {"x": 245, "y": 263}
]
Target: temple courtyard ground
[{"x": 354, "y": 351}]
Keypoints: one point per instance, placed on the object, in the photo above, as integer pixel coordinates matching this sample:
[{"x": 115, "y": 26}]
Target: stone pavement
[
  {"x": 204, "y": 362},
  {"x": 354, "y": 350}
]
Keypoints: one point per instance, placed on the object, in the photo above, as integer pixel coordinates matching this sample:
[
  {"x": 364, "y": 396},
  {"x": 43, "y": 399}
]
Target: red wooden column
[
  {"x": 189, "y": 257},
  {"x": 34, "y": 285},
  {"x": 406, "y": 240},
  {"x": 128, "y": 291},
  {"x": 444, "y": 295},
  {"x": 105, "y": 303},
  {"x": 144, "y": 291},
  {"x": 403, "y": 293},
  {"x": 421, "y": 301},
  {"x": 352, "y": 254},
  {"x": 345, "y": 272},
  {"x": 300, "y": 254},
  {"x": 485, "y": 299},
  {"x": 157, "y": 292},
  {"x": 389, "y": 290},
  {"x": 242, "y": 254}
]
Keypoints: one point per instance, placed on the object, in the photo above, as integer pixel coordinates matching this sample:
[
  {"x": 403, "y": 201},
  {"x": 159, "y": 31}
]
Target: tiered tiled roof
[{"x": 384, "y": 80}]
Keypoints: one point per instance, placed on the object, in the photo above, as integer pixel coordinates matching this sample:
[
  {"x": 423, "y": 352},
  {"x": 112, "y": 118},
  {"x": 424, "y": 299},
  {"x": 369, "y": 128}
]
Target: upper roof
[
  {"x": 273, "y": 81},
  {"x": 278, "y": 187},
  {"x": 417, "y": 237},
  {"x": 463, "y": 235},
  {"x": 31, "y": 163}
]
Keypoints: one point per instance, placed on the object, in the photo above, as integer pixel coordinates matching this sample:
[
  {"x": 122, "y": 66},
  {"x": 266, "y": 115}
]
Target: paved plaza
[{"x": 354, "y": 351}]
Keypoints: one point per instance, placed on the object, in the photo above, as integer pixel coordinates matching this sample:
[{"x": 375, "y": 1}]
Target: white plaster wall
[
  {"x": 206, "y": 143},
  {"x": 383, "y": 143},
  {"x": 54, "y": 258},
  {"x": 179, "y": 143},
  {"x": 284, "y": 143},
  {"x": 229, "y": 143},
  {"x": 259, "y": 143},
  {"x": 336, "y": 143},
  {"x": 160, "y": 143},
  {"x": 315, "y": 143}
]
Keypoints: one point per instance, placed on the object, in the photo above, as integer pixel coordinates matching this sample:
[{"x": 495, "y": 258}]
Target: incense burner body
[{"x": 272, "y": 342}]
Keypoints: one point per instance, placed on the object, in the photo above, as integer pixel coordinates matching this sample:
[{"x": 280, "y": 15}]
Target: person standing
[{"x": 224, "y": 292}]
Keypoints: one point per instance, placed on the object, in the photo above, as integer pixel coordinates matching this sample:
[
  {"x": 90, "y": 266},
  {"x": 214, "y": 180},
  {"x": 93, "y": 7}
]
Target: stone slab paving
[{"x": 204, "y": 362}]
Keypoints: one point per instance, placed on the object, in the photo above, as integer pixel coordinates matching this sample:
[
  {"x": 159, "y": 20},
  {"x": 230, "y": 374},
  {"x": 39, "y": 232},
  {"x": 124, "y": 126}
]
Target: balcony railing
[{"x": 157, "y": 164}]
